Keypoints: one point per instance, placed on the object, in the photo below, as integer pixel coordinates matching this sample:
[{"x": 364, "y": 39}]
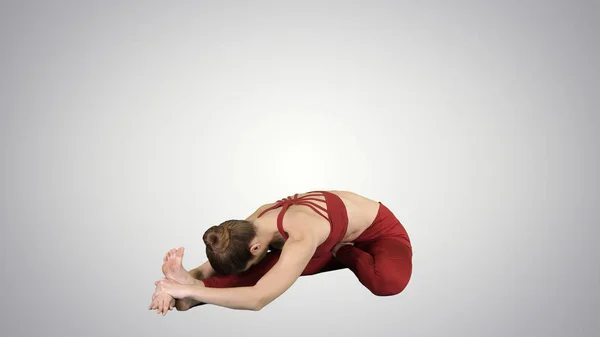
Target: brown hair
[{"x": 228, "y": 246}]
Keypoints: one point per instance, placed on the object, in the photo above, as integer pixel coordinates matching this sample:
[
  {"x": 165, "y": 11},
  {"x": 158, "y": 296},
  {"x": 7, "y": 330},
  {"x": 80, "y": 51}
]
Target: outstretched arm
[{"x": 295, "y": 255}]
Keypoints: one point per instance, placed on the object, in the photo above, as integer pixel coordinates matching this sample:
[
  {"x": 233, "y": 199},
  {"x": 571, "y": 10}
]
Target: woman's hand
[
  {"x": 176, "y": 290},
  {"x": 162, "y": 303}
]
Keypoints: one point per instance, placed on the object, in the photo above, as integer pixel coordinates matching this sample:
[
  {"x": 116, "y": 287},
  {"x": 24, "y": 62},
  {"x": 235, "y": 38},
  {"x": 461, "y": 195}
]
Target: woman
[{"x": 251, "y": 262}]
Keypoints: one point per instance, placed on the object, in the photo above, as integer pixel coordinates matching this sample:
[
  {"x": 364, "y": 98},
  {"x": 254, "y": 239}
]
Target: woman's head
[{"x": 229, "y": 246}]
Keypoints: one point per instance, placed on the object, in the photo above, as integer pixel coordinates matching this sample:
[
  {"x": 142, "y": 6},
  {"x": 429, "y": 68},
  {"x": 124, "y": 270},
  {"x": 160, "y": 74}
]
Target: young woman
[{"x": 251, "y": 262}]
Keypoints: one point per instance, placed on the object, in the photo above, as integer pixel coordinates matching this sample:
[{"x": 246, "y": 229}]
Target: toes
[{"x": 169, "y": 254}]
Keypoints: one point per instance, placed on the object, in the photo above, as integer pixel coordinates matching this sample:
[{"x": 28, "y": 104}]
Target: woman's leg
[
  {"x": 384, "y": 265},
  {"x": 251, "y": 276},
  {"x": 246, "y": 278}
]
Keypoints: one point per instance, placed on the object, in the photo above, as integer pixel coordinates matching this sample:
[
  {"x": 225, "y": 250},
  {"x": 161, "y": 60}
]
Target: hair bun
[{"x": 217, "y": 238}]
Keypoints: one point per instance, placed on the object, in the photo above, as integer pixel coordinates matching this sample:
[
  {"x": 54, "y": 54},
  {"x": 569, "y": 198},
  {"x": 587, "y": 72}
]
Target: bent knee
[
  {"x": 389, "y": 288},
  {"x": 390, "y": 285}
]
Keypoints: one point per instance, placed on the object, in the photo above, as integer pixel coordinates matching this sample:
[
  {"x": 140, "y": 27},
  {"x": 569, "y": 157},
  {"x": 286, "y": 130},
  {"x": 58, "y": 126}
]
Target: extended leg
[
  {"x": 247, "y": 278},
  {"x": 251, "y": 276}
]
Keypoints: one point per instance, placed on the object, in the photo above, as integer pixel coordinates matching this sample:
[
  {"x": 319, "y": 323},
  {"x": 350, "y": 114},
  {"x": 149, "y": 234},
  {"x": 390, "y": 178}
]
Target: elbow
[{"x": 259, "y": 303}]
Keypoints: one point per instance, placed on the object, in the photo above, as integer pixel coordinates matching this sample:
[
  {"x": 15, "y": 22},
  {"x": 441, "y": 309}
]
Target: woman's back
[{"x": 361, "y": 212}]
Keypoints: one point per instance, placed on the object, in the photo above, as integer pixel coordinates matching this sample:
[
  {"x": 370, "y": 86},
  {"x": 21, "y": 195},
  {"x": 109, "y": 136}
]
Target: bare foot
[
  {"x": 173, "y": 268},
  {"x": 185, "y": 304}
]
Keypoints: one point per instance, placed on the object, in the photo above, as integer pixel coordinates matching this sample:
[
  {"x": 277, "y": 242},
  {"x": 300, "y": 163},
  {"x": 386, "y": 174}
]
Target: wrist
[
  {"x": 188, "y": 290},
  {"x": 194, "y": 291}
]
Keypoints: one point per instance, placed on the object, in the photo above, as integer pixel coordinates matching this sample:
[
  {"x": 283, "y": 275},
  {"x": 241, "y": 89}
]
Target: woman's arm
[{"x": 295, "y": 255}]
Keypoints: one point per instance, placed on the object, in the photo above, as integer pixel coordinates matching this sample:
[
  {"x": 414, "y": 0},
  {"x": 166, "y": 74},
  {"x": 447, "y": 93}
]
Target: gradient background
[{"x": 129, "y": 128}]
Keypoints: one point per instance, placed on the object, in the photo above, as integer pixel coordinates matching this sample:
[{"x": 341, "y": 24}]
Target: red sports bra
[{"x": 335, "y": 214}]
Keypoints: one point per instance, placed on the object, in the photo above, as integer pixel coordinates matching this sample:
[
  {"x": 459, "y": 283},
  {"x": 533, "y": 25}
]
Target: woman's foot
[
  {"x": 185, "y": 304},
  {"x": 173, "y": 268}
]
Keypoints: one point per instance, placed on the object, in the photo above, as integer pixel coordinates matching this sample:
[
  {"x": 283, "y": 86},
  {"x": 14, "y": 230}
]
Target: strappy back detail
[
  {"x": 308, "y": 199},
  {"x": 335, "y": 213}
]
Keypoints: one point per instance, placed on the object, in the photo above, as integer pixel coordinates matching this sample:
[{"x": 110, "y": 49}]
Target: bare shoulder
[
  {"x": 304, "y": 224},
  {"x": 259, "y": 210}
]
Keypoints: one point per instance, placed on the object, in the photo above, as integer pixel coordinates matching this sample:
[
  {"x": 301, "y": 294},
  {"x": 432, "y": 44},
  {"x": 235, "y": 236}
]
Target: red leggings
[{"x": 381, "y": 259}]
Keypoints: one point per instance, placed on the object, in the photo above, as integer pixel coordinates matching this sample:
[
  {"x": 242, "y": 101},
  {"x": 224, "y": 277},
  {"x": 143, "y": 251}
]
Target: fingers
[
  {"x": 152, "y": 305},
  {"x": 159, "y": 290},
  {"x": 157, "y": 305},
  {"x": 161, "y": 306},
  {"x": 162, "y": 302},
  {"x": 157, "y": 293},
  {"x": 166, "y": 304}
]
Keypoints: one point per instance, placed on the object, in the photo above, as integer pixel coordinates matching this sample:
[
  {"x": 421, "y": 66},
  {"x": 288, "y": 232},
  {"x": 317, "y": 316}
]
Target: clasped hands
[
  {"x": 167, "y": 290},
  {"x": 165, "y": 294}
]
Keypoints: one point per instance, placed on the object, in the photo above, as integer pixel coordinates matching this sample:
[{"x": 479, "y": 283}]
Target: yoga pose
[{"x": 251, "y": 262}]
